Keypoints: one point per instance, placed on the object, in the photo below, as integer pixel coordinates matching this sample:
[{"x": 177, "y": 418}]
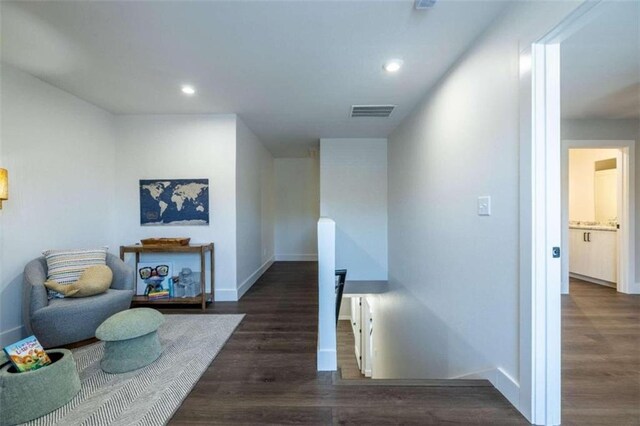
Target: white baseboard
[
  {"x": 296, "y": 257},
  {"x": 246, "y": 285},
  {"x": 231, "y": 295},
  {"x": 12, "y": 335},
  {"x": 508, "y": 387},
  {"x": 327, "y": 360},
  {"x": 504, "y": 383}
]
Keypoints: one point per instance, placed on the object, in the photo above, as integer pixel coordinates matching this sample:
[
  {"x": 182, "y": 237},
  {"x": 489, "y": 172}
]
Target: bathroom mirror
[{"x": 605, "y": 191}]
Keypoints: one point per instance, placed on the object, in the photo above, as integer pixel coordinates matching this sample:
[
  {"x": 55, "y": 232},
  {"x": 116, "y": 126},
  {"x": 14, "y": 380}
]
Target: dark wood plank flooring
[
  {"x": 600, "y": 356},
  {"x": 266, "y": 373}
]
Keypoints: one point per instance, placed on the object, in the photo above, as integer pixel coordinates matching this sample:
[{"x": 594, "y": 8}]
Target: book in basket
[{"x": 27, "y": 354}]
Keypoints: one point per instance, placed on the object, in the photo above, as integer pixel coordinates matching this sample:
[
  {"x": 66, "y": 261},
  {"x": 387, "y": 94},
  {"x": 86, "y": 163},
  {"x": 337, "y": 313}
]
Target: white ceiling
[
  {"x": 601, "y": 65},
  {"x": 290, "y": 69}
]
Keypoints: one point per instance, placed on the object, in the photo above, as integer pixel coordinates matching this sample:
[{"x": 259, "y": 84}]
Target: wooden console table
[{"x": 201, "y": 249}]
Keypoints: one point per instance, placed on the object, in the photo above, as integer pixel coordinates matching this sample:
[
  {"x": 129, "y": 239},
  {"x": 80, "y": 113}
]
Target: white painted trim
[
  {"x": 526, "y": 235},
  {"x": 226, "y": 295},
  {"x": 246, "y": 285},
  {"x": 502, "y": 381},
  {"x": 344, "y": 317},
  {"x": 11, "y": 335},
  {"x": 327, "y": 342},
  {"x": 626, "y": 240},
  {"x": 327, "y": 360},
  {"x": 296, "y": 257},
  {"x": 507, "y": 387},
  {"x": 540, "y": 231}
]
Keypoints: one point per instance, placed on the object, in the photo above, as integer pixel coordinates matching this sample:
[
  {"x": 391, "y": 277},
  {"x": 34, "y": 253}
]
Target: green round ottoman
[
  {"x": 131, "y": 340},
  {"x": 32, "y": 394}
]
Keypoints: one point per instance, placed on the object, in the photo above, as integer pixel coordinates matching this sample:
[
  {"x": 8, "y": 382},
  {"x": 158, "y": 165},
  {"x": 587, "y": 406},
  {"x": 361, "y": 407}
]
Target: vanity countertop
[{"x": 594, "y": 227}]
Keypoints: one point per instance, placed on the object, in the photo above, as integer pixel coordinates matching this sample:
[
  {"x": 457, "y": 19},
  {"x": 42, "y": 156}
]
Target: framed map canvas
[{"x": 174, "y": 202}]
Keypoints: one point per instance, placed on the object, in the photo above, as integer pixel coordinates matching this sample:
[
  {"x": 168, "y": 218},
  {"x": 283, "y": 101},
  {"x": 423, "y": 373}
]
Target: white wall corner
[
  {"x": 12, "y": 335},
  {"x": 246, "y": 285},
  {"x": 226, "y": 295},
  {"x": 327, "y": 360},
  {"x": 503, "y": 382},
  {"x": 296, "y": 257}
]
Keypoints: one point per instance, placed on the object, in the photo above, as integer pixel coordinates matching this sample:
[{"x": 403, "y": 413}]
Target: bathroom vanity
[{"x": 594, "y": 253}]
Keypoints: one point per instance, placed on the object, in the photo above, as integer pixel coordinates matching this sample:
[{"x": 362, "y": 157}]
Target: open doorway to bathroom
[{"x": 598, "y": 224}]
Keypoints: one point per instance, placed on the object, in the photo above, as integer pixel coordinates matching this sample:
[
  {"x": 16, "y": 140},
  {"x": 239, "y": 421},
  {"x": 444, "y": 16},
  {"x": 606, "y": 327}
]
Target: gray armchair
[{"x": 59, "y": 322}]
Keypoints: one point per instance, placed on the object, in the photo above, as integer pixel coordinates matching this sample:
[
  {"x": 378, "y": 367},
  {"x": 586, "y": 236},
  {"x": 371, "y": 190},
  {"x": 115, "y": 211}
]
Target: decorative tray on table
[{"x": 164, "y": 242}]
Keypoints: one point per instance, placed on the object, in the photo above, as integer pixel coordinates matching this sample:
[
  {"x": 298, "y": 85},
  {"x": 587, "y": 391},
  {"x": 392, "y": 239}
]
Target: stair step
[{"x": 338, "y": 380}]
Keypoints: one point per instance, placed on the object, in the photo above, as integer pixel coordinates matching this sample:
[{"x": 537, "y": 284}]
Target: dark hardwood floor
[
  {"x": 600, "y": 356},
  {"x": 266, "y": 373}
]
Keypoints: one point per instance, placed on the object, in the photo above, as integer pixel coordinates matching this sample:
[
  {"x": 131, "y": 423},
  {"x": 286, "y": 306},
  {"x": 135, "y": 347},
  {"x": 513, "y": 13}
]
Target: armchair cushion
[{"x": 71, "y": 320}]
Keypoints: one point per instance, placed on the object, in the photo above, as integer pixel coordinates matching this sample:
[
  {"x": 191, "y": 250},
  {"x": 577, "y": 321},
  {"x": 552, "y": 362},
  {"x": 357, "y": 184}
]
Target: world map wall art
[{"x": 183, "y": 202}]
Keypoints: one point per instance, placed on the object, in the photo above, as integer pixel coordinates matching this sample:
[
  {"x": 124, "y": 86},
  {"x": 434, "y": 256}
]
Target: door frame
[
  {"x": 626, "y": 210},
  {"x": 540, "y": 220}
]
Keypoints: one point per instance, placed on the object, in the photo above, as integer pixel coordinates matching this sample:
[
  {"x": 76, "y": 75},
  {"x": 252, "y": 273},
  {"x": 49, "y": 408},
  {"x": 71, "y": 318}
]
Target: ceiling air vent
[
  {"x": 425, "y": 4},
  {"x": 381, "y": 111}
]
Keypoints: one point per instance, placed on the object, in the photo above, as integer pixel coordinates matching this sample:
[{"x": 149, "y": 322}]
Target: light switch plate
[{"x": 484, "y": 206}]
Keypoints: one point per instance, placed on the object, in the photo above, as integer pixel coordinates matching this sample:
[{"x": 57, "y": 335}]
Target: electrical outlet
[{"x": 484, "y": 206}]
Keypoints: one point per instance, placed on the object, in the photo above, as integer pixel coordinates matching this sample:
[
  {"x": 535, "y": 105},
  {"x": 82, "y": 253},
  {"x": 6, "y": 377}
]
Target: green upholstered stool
[
  {"x": 32, "y": 394},
  {"x": 131, "y": 340}
]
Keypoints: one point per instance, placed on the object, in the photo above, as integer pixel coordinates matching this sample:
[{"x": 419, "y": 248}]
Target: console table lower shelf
[
  {"x": 200, "y": 249},
  {"x": 144, "y": 300}
]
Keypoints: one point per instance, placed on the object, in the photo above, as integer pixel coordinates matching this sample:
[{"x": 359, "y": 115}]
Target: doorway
[
  {"x": 598, "y": 219},
  {"x": 542, "y": 131}
]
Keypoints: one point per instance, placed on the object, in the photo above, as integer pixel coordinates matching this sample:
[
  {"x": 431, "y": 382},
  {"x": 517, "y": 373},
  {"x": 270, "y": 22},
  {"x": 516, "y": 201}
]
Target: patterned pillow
[{"x": 66, "y": 266}]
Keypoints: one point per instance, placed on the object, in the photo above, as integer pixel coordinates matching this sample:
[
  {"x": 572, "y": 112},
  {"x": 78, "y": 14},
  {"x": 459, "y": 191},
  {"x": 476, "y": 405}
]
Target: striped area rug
[{"x": 150, "y": 395}]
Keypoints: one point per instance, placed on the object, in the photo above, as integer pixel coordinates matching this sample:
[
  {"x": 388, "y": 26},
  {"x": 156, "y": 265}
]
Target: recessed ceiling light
[
  {"x": 393, "y": 65},
  {"x": 188, "y": 90}
]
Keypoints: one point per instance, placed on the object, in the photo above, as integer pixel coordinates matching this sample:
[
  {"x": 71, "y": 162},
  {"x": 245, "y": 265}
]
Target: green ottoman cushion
[
  {"x": 131, "y": 340},
  {"x": 29, "y": 395}
]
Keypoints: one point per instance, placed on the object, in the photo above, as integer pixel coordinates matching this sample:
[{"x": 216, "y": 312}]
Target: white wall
[
  {"x": 453, "y": 306},
  {"x": 353, "y": 192},
  {"x": 297, "y": 183},
  {"x": 178, "y": 147},
  {"x": 254, "y": 207},
  {"x": 576, "y": 129},
  {"x": 60, "y": 154},
  {"x": 582, "y": 182}
]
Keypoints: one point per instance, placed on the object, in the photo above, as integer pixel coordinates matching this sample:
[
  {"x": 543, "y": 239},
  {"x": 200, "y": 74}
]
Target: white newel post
[{"x": 327, "y": 358}]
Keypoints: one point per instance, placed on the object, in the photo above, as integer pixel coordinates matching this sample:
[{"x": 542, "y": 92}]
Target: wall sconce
[{"x": 4, "y": 186}]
